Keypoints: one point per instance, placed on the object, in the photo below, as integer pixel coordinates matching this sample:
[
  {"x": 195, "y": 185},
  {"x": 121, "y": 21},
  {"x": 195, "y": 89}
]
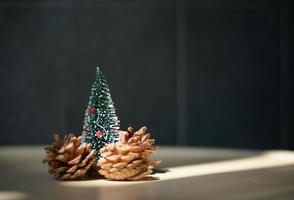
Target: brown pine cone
[
  {"x": 128, "y": 158},
  {"x": 68, "y": 159}
]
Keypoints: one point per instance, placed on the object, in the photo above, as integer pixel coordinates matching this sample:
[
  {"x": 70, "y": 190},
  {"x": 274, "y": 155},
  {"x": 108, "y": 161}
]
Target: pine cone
[
  {"x": 127, "y": 159},
  {"x": 68, "y": 159}
]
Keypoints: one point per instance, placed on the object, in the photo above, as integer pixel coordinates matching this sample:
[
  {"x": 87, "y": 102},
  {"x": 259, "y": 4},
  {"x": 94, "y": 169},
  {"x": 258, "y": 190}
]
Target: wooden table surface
[{"x": 185, "y": 173}]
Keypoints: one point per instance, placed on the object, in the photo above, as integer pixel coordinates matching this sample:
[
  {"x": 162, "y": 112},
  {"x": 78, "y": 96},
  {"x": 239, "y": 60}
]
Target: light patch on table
[
  {"x": 268, "y": 159},
  {"x": 12, "y": 195}
]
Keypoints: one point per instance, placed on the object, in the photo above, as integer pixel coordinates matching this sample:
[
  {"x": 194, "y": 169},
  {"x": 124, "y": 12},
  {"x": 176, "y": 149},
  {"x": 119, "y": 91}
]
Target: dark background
[{"x": 202, "y": 73}]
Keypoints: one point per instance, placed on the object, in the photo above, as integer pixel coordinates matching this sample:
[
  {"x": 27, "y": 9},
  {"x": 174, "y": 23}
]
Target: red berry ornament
[
  {"x": 91, "y": 110},
  {"x": 98, "y": 134}
]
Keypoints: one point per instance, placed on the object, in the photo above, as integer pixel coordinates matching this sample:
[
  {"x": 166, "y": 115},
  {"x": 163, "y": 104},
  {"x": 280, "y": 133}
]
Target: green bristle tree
[{"x": 101, "y": 125}]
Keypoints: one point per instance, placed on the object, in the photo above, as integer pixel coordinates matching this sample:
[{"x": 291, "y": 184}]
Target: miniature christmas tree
[{"x": 101, "y": 124}]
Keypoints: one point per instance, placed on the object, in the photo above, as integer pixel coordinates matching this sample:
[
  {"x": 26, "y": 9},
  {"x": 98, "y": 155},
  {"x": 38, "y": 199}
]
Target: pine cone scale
[
  {"x": 75, "y": 160},
  {"x": 119, "y": 165},
  {"x": 72, "y": 169},
  {"x": 80, "y": 150}
]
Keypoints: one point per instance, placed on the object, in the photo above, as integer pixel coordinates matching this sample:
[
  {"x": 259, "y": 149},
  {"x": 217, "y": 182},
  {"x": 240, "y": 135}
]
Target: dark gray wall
[{"x": 204, "y": 73}]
